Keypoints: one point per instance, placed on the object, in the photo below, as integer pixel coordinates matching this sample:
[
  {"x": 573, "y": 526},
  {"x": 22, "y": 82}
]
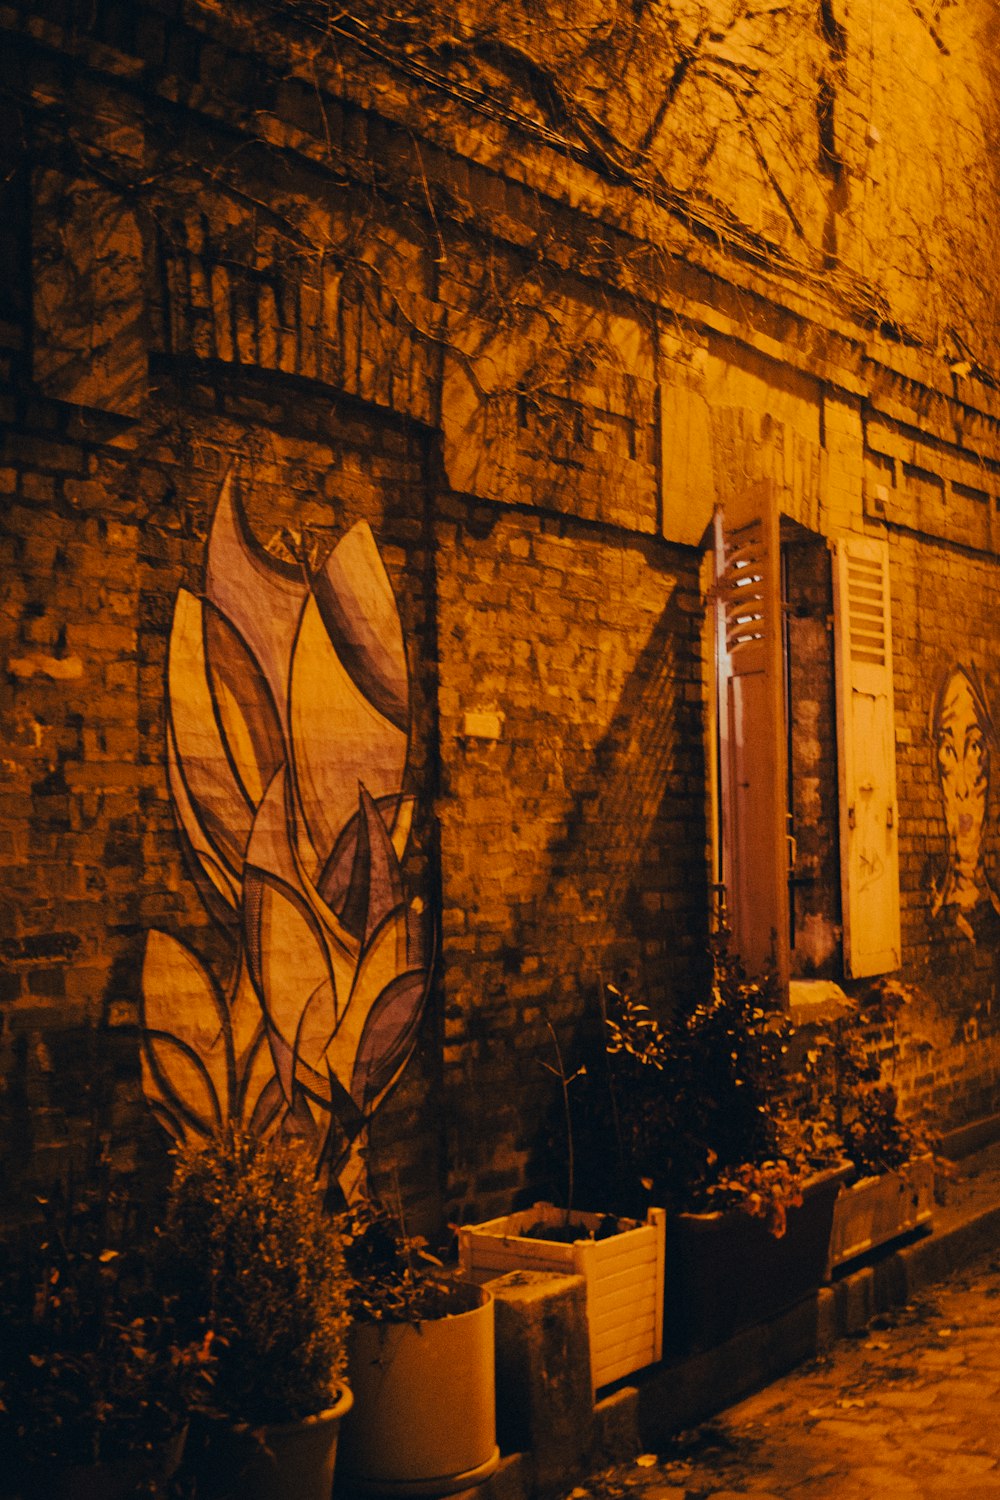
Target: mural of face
[{"x": 963, "y": 735}]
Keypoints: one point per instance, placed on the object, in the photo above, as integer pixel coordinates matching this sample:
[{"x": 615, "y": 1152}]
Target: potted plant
[
  {"x": 258, "y": 1266},
  {"x": 95, "y": 1384},
  {"x": 619, "y": 1257},
  {"x": 892, "y": 1191},
  {"x": 703, "y": 1118},
  {"x": 421, "y": 1365}
]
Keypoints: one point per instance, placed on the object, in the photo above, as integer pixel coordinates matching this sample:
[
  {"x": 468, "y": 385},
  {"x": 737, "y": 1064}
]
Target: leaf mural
[
  {"x": 260, "y": 594},
  {"x": 288, "y": 724},
  {"x": 338, "y": 737},
  {"x": 184, "y": 1034},
  {"x": 354, "y": 598}
]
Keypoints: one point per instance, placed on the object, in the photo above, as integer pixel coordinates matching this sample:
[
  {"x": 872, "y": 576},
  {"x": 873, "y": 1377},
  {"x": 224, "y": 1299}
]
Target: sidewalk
[{"x": 907, "y": 1410}]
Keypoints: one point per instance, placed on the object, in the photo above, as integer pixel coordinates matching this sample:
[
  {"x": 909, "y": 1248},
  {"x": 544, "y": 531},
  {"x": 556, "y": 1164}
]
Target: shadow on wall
[
  {"x": 632, "y": 866},
  {"x": 632, "y": 861}
]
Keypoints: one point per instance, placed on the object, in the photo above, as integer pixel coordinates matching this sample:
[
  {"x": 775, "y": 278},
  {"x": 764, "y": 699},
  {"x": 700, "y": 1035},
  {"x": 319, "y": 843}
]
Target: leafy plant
[
  {"x": 765, "y": 1190},
  {"x": 851, "y": 1094},
  {"x": 701, "y": 1105},
  {"x": 259, "y": 1265},
  {"x": 93, "y": 1367},
  {"x": 877, "y": 1139},
  {"x": 392, "y": 1276}
]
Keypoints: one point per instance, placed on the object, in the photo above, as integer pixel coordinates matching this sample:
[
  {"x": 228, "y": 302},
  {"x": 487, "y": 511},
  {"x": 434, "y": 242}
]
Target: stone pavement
[{"x": 907, "y": 1410}]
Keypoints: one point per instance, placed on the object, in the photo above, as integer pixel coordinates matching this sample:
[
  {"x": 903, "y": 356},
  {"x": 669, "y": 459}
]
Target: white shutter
[
  {"x": 751, "y": 728},
  {"x": 869, "y": 853}
]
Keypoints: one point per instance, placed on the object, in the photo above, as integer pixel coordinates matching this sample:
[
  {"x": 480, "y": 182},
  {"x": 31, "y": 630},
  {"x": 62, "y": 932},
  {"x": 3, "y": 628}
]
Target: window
[{"x": 806, "y": 747}]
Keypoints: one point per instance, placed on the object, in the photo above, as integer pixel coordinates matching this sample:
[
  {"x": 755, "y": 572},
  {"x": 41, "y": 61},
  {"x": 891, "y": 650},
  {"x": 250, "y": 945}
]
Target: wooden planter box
[
  {"x": 877, "y": 1210},
  {"x": 726, "y": 1271},
  {"x": 623, "y": 1275}
]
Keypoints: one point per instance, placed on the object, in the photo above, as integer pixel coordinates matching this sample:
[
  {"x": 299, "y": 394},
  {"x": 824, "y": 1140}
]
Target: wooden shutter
[
  {"x": 751, "y": 728},
  {"x": 869, "y": 854}
]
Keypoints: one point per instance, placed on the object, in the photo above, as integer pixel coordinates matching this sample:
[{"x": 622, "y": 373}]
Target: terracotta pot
[
  {"x": 424, "y": 1419},
  {"x": 276, "y": 1462}
]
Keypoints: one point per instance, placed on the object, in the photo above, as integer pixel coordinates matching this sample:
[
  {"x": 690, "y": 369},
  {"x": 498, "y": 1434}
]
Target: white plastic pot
[{"x": 424, "y": 1417}]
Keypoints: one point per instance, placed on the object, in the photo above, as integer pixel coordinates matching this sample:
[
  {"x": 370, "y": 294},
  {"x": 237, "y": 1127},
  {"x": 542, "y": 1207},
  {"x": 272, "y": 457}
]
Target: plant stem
[{"x": 564, "y": 1083}]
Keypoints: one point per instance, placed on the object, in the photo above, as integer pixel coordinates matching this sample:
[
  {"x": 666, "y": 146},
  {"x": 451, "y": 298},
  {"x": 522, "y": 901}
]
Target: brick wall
[
  {"x": 286, "y": 274},
  {"x": 572, "y": 845},
  {"x": 96, "y": 544}
]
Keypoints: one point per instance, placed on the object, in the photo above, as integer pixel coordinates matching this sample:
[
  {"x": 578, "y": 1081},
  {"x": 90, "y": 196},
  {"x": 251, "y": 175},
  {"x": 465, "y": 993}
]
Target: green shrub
[{"x": 258, "y": 1262}]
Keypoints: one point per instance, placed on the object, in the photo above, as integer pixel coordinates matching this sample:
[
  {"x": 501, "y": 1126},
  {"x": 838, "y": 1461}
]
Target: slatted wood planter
[
  {"x": 623, "y": 1276},
  {"x": 877, "y": 1210}
]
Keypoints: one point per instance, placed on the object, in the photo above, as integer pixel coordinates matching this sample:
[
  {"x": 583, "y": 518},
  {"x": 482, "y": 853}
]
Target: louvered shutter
[
  {"x": 869, "y": 854},
  {"x": 751, "y": 728}
]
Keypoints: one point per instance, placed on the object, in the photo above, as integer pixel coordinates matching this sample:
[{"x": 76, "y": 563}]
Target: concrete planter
[
  {"x": 726, "y": 1271},
  {"x": 877, "y": 1210},
  {"x": 623, "y": 1276},
  {"x": 424, "y": 1418}
]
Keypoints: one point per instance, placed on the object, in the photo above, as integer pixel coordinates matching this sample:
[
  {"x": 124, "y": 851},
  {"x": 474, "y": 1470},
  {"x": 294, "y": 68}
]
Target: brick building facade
[{"x": 283, "y": 301}]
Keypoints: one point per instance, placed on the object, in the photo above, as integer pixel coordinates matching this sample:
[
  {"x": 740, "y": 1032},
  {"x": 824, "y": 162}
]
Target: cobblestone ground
[{"x": 909, "y": 1410}]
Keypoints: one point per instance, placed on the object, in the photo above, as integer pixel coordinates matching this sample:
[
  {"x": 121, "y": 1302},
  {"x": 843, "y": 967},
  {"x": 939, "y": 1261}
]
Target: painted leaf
[
  {"x": 245, "y": 1019},
  {"x": 339, "y": 739},
  {"x": 222, "y": 809},
  {"x": 376, "y": 885},
  {"x": 273, "y": 850},
  {"x": 316, "y": 1028},
  {"x": 388, "y": 1036},
  {"x": 264, "y": 1108},
  {"x": 244, "y": 707},
  {"x": 183, "y": 1082},
  {"x": 160, "y": 1105},
  {"x": 287, "y": 959},
  {"x": 214, "y": 873},
  {"x": 383, "y": 961},
  {"x": 261, "y": 595},
  {"x": 187, "y": 1028},
  {"x": 333, "y": 883},
  {"x": 359, "y": 611}
]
